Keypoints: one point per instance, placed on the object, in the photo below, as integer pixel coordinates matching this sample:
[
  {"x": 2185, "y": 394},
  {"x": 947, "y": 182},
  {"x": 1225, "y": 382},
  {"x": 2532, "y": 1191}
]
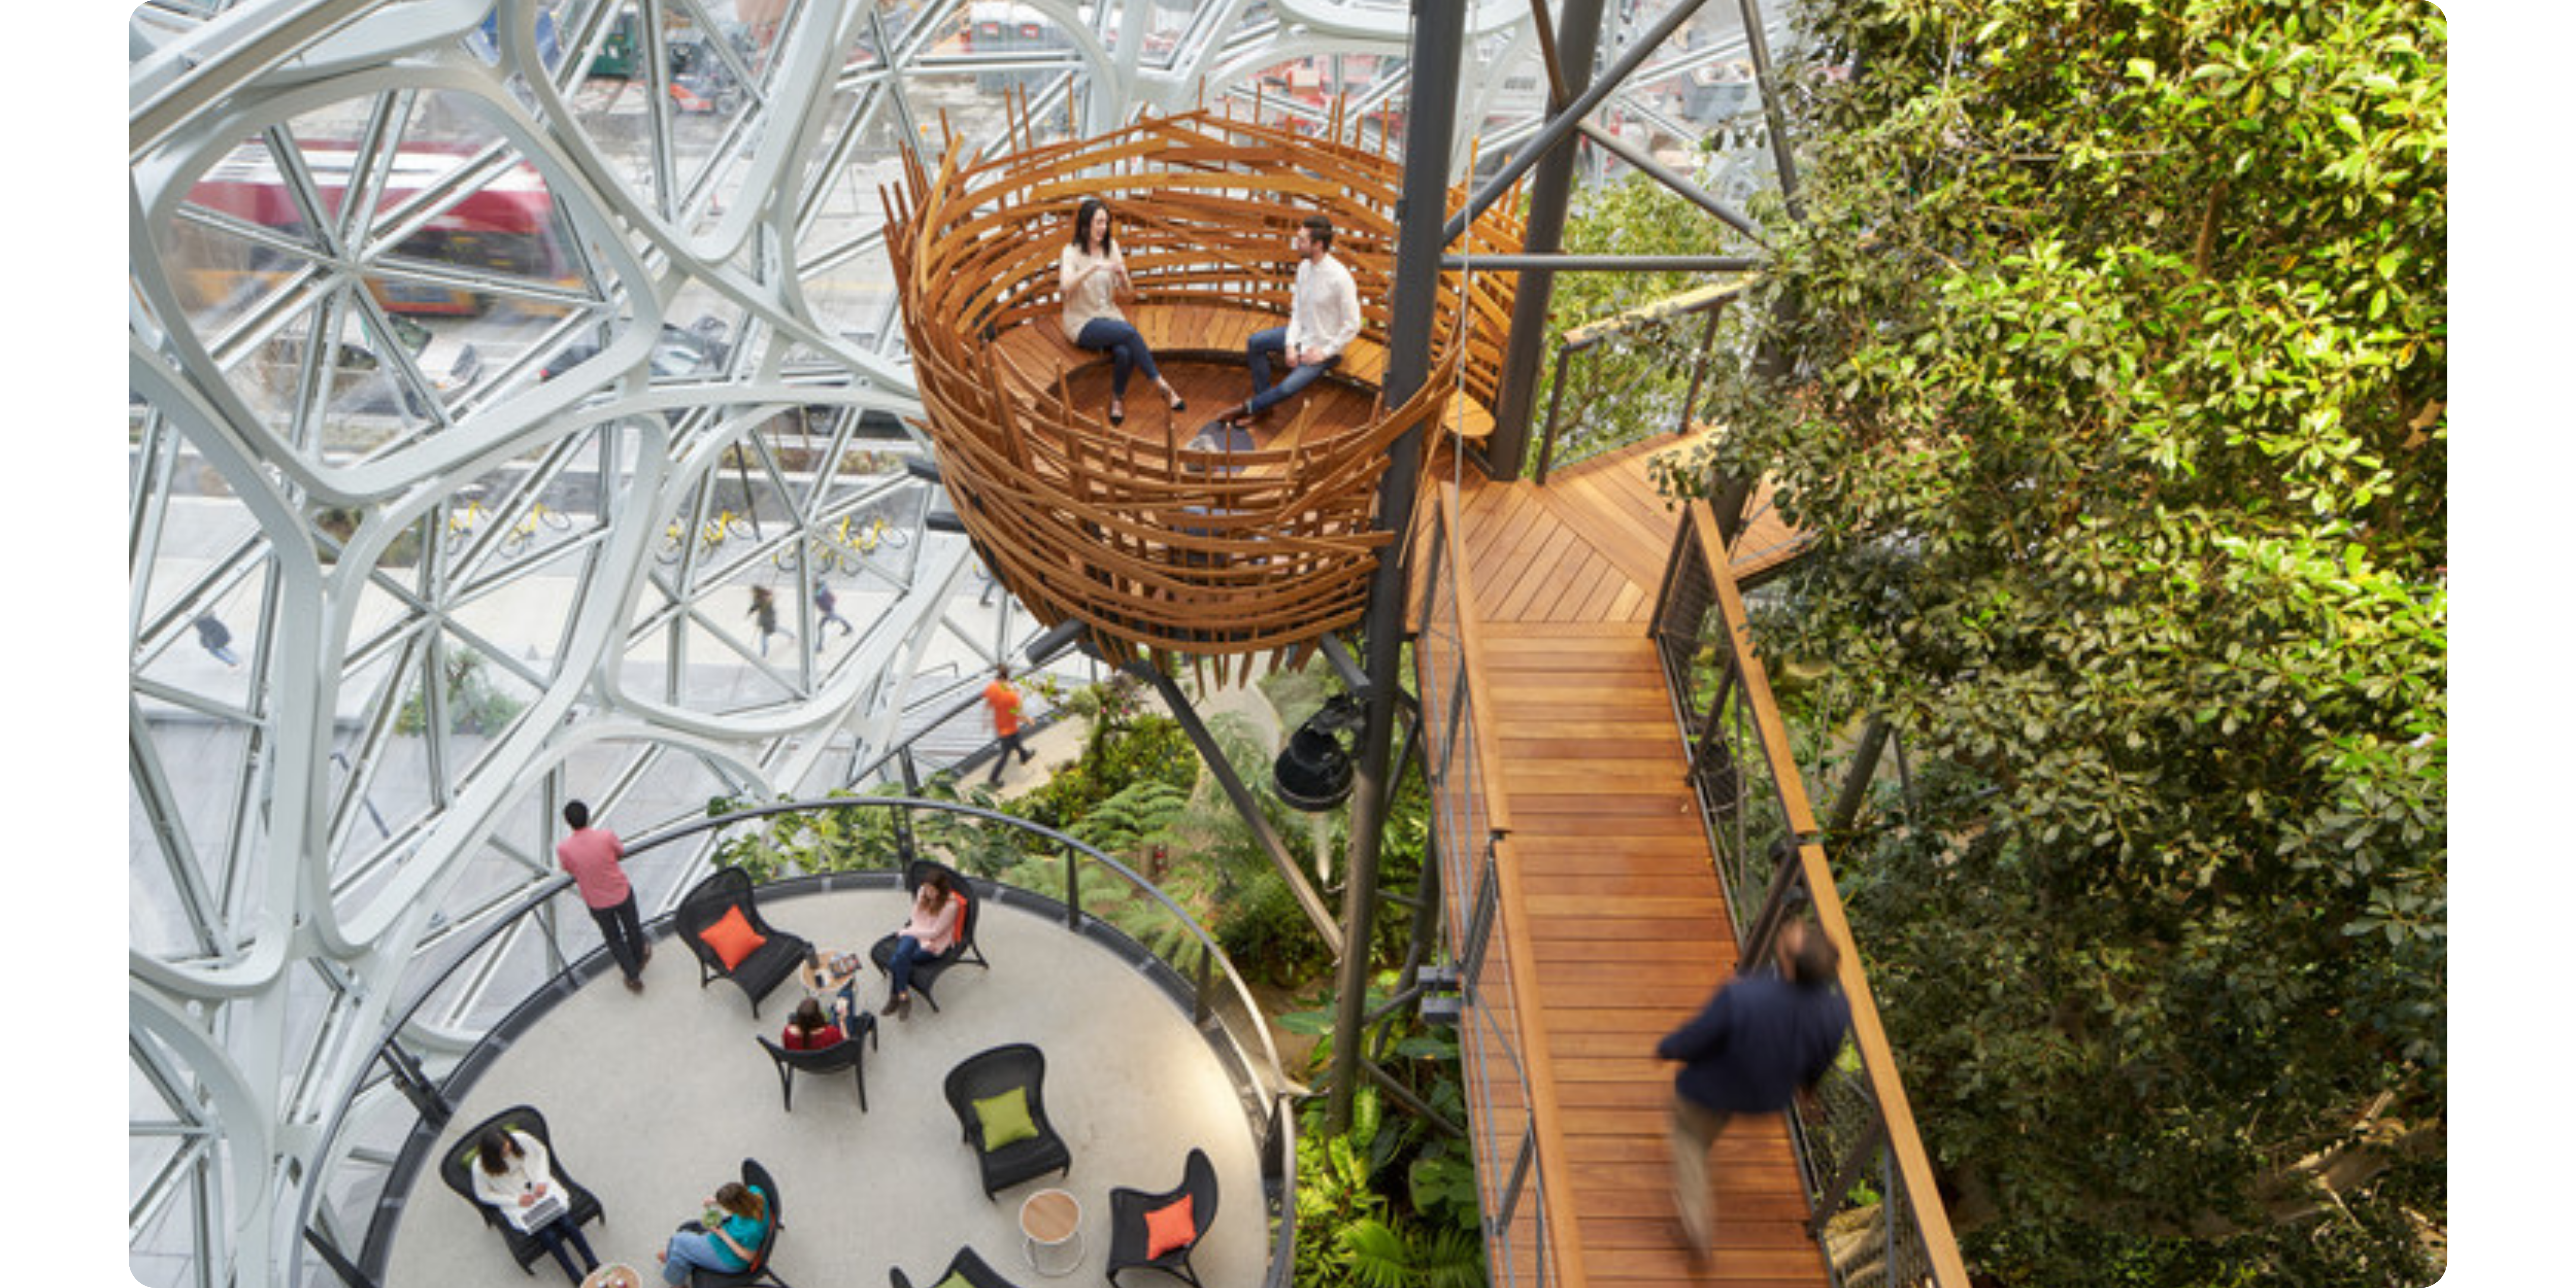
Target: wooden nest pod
[{"x": 1167, "y": 535}]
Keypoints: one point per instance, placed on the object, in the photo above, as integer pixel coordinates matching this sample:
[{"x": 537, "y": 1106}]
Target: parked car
[
  {"x": 698, "y": 349},
  {"x": 361, "y": 381}
]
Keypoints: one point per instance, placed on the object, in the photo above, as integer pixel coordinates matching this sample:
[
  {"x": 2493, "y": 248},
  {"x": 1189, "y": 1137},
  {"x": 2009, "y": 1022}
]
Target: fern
[{"x": 1377, "y": 1255}]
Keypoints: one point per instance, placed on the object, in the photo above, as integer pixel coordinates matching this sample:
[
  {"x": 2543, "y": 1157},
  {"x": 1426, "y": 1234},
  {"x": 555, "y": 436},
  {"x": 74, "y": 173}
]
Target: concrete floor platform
[{"x": 654, "y": 1100}]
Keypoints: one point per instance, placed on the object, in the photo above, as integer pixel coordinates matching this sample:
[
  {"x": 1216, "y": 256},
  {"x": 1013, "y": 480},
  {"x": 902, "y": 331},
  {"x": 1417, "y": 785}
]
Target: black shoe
[
  {"x": 1117, "y": 413},
  {"x": 634, "y": 985}
]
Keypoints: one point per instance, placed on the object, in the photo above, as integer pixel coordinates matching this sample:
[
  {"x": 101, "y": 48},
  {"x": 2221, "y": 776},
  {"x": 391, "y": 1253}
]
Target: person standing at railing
[
  {"x": 597, "y": 861},
  {"x": 1323, "y": 318},
  {"x": 1762, "y": 1040}
]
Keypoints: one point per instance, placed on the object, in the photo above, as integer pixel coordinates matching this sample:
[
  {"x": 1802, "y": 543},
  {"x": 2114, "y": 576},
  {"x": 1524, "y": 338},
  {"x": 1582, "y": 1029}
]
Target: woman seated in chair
[
  {"x": 936, "y": 910},
  {"x": 514, "y": 1175},
  {"x": 737, "y": 1219},
  {"x": 808, "y": 1029}
]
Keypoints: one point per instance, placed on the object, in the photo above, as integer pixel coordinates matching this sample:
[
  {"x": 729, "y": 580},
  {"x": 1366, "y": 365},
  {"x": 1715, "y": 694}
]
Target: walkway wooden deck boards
[{"x": 1619, "y": 894}]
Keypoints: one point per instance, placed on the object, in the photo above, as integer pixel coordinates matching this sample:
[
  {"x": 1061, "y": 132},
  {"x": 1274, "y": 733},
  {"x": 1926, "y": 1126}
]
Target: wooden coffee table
[
  {"x": 613, "y": 1274},
  {"x": 1051, "y": 1222}
]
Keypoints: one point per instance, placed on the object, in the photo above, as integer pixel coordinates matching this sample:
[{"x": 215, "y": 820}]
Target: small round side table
[
  {"x": 1051, "y": 1221},
  {"x": 613, "y": 1274}
]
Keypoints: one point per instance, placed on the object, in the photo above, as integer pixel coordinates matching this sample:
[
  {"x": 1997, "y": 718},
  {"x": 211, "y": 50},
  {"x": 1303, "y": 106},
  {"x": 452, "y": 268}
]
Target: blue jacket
[{"x": 1757, "y": 1041}]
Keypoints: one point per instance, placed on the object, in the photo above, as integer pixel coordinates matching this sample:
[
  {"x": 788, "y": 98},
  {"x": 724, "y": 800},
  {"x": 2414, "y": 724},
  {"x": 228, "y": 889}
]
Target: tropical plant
[
  {"x": 474, "y": 702},
  {"x": 1393, "y": 1200},
  {"x": 2107, "y": 369}
]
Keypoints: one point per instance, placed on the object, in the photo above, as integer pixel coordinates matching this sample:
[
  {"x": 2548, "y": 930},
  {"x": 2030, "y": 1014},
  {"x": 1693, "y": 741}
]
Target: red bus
[{"x": 507, "y": 225}]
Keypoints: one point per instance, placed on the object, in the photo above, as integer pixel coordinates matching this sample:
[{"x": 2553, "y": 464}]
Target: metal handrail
[
  {"x": 1471, "y": 825},
  {"x": 1706, "y": 300},
  {"x": 1865, "y": 1122},
  {"x": 429, "y": 1099}
]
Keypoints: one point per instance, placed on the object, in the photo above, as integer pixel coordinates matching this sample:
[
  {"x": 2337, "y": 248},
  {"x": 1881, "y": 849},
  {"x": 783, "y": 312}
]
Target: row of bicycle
[{"x": 843, "y": 546}]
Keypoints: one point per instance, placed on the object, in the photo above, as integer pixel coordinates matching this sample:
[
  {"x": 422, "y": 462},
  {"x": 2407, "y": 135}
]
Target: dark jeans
[
  {"x": 553, "y": 1235},
  {"x": 1256, "y": 354},
  {"x": 625, "y": 935},
  {"x": 908, "y": 952},
  {"x": 1127, "y": 351},
  {"x": 1002, "y": 757}
]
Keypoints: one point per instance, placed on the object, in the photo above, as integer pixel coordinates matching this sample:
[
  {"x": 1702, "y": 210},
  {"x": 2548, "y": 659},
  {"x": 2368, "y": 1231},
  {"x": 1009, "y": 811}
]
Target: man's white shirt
[{"x": 1324, "y": 313}]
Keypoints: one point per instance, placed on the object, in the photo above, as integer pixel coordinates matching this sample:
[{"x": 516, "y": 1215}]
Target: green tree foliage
[{"x": 2111, "y": 381}]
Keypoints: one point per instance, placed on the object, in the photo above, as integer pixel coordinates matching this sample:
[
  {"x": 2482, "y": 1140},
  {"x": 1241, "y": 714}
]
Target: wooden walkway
[{"x": 1619, "y": 895}]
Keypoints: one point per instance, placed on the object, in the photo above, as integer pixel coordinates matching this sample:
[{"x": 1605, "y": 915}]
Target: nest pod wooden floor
[{"x": 1166, "y": 534}]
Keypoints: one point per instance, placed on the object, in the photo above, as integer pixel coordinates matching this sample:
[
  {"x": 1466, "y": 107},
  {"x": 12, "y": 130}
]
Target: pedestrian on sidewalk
[
  {"x": 1764, "y": 1039},
  {"x": 1005, "y": 702},
  {"x": 764, "y": 612},
  {"x": 216, "y": 639},
  {"x": 829, "y": 605},
  {"x": 597, "y": 862}
]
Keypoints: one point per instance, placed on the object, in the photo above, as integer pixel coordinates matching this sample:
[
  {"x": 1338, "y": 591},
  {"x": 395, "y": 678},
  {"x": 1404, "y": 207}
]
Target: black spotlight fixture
[{"x": 1314, "y": 773}]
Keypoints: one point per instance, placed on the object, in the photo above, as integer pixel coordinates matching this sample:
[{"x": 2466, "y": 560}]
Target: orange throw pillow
[
  {"x": 1170, "y": 1227},
  {"x": 733, "y": 938}
]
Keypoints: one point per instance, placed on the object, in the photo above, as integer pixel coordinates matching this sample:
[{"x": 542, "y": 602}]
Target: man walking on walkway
[
  {"x": 596, "y": 860},
  {"x": 1763, "y": 1039},
  {"x": 1005, "y": 702}
]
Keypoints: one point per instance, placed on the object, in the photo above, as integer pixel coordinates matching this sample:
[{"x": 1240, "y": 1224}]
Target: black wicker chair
[
  {"x": 987, "y": 1074},
  {"x": 844, "y": 1054},
  {"x": 926, "y": 974},
  {"x": 758, "y": 1272},
  {"x": 965, "y": 1265},
  {"x": 452, "y": 1168},
  {"x": 1127, "y": 1209},
  {"x": 760, "y": 970}
]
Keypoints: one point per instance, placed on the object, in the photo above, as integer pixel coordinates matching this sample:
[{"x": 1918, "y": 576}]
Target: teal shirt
[{"x": 745, "y": 1230}]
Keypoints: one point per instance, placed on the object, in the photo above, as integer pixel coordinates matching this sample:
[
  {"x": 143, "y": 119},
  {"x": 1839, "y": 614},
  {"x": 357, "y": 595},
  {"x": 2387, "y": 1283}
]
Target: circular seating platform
[{"x": 1159, "y": 546}]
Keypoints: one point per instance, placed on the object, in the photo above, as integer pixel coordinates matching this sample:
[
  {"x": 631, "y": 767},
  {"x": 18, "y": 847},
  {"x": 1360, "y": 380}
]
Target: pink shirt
[
  {"x": 591, "y": 855},
  {"x": 935, "y": 933}
]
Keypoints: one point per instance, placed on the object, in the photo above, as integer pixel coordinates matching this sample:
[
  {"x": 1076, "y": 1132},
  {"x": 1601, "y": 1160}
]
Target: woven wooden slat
[{"x": 1167, "y": 551}]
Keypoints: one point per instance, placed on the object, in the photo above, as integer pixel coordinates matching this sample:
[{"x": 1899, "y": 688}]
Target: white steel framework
[{"x": 484, "y": 356}]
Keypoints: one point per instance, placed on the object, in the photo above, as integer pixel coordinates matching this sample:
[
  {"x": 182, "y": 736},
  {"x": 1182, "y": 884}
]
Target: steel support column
[
  {"x": 1551, "y": 188},
  {"x": 1439, "y": 37}
]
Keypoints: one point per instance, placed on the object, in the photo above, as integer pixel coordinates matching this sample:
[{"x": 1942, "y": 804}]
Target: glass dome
[{"x": 482, "y": 358}]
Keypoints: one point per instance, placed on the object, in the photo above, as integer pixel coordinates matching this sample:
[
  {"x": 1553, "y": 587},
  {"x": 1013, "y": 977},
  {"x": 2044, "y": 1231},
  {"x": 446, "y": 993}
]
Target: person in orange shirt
[{"x": 1005, "y": 702}]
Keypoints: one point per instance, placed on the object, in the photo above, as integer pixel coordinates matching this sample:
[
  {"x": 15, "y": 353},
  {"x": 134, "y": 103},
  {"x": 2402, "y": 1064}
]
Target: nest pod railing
[{"x": 1158, "y": 546}]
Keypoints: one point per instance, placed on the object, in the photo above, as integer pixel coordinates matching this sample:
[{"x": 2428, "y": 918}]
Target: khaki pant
[{"x": 1694, "y": 1129}]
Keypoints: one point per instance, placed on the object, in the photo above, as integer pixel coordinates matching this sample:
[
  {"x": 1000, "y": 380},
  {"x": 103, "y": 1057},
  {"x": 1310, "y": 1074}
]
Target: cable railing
[
  {"x": 392, "y": 1114},
  {"x": 1625, "y": 388},
  {"x": 1469, "y": 829},
  {"x": 1870, "y": 1189}
]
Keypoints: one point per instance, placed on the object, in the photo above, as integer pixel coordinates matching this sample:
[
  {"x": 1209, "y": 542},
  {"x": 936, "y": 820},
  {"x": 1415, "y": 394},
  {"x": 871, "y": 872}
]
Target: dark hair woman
[
  {"x": 937, "y": 912},
  {"x": 736, "y": 1220},
  {"x": 1091, "y": 274},
  {"x": 514, "y": 1175},
  {"x": 808, "y": 1029}
]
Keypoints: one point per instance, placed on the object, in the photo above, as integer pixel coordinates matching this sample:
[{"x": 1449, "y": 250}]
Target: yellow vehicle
[
  {"x": 711, "y": 534},
  {"x": 525, "y": 530},
  {"x": 849, "y": 541}
]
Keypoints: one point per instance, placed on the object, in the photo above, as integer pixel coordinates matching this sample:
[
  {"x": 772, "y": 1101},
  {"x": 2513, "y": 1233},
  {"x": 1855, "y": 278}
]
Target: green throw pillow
[{"x": 1005, "y": 1118}]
